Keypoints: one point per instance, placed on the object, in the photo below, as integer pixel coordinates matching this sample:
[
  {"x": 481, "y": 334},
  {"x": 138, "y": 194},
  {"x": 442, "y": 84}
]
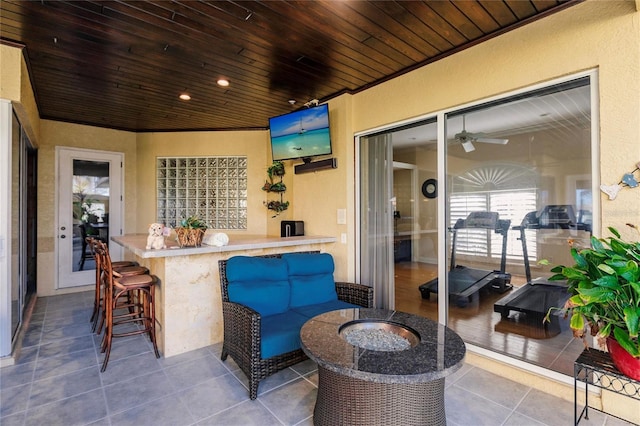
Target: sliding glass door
[
  {"x": 398, "y": 214},
  {"x": 518, "y": 190},
  {"x": 18, "y": 244}
]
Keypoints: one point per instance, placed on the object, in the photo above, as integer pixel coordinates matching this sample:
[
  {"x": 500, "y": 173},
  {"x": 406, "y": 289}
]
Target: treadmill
[
  {"x": 464, "y": 282},
  {"x": 537, "y": 296}
]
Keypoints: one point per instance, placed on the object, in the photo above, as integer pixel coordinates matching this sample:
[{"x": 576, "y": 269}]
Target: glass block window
[{"x": 212, "y": 188}]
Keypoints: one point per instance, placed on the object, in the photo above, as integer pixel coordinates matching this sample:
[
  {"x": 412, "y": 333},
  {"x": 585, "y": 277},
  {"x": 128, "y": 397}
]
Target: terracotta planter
[
  {"x": 628, "y": 365},
  {"x": 189, "y": 237}
]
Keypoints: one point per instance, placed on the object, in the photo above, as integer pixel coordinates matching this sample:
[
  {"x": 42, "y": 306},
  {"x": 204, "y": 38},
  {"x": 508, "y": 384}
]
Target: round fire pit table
[{"x": 380, "y": 367}]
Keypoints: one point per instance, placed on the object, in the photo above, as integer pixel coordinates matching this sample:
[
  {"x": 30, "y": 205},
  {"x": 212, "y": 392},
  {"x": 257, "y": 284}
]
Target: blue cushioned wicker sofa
[{"x": 267, "y": 299}]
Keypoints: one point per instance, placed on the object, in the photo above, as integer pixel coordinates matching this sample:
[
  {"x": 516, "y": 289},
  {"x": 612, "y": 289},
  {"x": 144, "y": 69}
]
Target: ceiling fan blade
[
  {"x": 491, "y": 140},
  {"x": 468, "y": 146}
]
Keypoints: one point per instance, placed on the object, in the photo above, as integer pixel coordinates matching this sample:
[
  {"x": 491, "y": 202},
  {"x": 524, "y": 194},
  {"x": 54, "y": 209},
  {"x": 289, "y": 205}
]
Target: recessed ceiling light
[
  {"x": 185, "y": 97},
  {"x": 222, "y": 82}
]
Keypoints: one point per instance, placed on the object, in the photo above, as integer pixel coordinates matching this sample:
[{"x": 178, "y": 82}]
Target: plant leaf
[
  {"x": 557, "y": 269},
  {"x": 618, "y": 246},
  {"x": 577, "y": 321},
  {"x": 636, "y": 288},
  {"x": 575, "y": 301},
  {"x": 596, "y": 244},
  {"x": 581, "y": 261},
  {"x": 631, "y": 315},
  {"x": 614, "y": 231},
  {"x": 606, "y": 269},
  {"x": 608, "y": 281},
  {"x": 573, "y": 273},
  {"x": 557, "y": 277},
  {"x": 597, "y": 295}
]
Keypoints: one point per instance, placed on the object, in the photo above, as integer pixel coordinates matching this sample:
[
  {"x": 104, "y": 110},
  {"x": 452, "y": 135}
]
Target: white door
[{"x": 89, "y": 196}]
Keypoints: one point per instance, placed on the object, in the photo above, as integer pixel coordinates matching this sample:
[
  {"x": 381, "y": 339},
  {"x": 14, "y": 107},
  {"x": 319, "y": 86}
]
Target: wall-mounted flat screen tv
[{"x": 301, "y": 134}]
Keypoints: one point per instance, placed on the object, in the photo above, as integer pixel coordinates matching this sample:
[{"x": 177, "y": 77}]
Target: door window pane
[{"x": 90, "y": 188}]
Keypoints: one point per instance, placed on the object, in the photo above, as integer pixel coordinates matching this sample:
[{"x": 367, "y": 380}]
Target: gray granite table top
[{"x": 439, "y": 352}]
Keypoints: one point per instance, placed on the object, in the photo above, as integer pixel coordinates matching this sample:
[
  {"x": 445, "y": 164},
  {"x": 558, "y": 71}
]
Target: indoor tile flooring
[{"x": 57, "y": 381}]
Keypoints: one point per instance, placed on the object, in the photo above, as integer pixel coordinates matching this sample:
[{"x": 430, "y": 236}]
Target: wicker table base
[{"x": 344, "y": 400}]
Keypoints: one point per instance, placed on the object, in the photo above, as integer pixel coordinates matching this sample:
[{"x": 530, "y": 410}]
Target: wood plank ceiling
[{"x": 123, "y": 64}]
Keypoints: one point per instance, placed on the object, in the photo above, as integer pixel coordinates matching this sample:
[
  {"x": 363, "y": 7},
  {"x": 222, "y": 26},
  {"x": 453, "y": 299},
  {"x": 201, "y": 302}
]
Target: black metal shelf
[{"x": 595, "y": 368}]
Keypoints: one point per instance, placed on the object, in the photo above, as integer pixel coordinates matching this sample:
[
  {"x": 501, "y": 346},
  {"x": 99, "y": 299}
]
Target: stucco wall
[
  {"x": 15, "y": 86},
  {"x": 10, "y": 72},
  {"x": 253, "y": 144},
  {"x": 318, "y": 195}
]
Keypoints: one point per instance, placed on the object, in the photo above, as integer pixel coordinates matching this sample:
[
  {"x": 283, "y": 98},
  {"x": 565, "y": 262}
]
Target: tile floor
[{"x": 57, "y": 381}]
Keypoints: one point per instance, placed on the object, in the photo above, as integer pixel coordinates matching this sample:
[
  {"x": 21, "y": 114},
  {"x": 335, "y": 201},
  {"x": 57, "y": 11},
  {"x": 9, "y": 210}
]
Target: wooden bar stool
[
  {"x": 124, "y": 267},
  {"x": 138, "y": 309}
]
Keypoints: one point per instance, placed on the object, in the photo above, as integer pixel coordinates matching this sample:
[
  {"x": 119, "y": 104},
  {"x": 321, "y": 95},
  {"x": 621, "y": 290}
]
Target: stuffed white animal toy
[{"x": 155, "y": 240}]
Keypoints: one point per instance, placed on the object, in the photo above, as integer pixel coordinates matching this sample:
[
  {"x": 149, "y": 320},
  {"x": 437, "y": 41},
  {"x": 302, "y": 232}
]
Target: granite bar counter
[{"x": 188, "y": 300}]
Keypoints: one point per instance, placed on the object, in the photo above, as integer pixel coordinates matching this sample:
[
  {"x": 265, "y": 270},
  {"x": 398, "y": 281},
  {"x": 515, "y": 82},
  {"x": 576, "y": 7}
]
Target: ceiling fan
[{"x": 467, "y": 138}]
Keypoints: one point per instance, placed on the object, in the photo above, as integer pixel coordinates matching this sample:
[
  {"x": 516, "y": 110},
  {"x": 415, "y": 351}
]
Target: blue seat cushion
[
  {"x": 260, "y": 283},
  {"x": 311, "y": 311},
  {"x": 311, "y": 278},
  {"x": 280, "y": 333}
]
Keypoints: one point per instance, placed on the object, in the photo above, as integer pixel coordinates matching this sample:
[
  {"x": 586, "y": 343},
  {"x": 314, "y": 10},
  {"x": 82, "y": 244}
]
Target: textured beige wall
[
  {"x": 15, "y": 86},
  {"x": 53, "y": 134},
  {"x": 10, "y": 72},
  {"x": 253, "y": 144},
  {"x": 317, "y": 196}
]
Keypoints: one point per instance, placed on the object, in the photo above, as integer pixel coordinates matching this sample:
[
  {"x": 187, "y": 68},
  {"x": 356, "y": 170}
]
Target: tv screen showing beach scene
[{"x": 301, "y": 134}]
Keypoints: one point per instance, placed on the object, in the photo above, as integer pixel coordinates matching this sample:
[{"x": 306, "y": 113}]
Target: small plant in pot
[
  {"x": 604, "y": 285},
  {"x": 190, "y": 232}
]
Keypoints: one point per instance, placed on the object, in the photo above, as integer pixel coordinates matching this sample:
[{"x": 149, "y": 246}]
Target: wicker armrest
[
  {"x": 356, "y": 294},
  {"x": 241, "y": 331}
]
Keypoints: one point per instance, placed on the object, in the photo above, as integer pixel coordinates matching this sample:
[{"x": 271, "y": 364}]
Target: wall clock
[{"x": 430, "y": 188}]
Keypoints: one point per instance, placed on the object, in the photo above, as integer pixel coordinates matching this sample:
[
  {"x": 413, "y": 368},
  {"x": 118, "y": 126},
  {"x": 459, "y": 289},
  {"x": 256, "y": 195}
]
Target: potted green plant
[
  {"x": 604, "y": 285},
  {"x": 276, "y": 170},
  {"x": 190, "y": 232}
]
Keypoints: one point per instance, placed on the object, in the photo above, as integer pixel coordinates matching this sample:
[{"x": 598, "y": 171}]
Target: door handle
[{"x": 63, "y": 236}]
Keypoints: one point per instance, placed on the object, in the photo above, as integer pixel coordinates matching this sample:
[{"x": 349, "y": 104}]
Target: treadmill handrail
[
  {"x": 531, "y": 221},
  {"x": 501, "y": 226}
]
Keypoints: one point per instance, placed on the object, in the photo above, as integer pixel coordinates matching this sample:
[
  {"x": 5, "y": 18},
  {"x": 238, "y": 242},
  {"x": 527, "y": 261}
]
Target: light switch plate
[{"x": 342, "y": 216}]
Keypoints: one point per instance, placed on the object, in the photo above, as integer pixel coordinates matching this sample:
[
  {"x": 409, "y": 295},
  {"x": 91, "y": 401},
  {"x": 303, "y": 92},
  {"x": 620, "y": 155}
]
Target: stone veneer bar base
[
  {"x": 188, "y": 300},
  {"x": 344, "y": 400}
]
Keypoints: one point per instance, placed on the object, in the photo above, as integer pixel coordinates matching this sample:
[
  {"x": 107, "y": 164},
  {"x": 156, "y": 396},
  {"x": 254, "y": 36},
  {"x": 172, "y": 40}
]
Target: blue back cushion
[
  {"x": 311, "y": 278},
  {"x": 259, "y": 282}
]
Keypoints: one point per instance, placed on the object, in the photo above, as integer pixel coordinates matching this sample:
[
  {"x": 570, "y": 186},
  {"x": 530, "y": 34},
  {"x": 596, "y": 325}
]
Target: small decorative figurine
[{"x": 155, "y": 240}]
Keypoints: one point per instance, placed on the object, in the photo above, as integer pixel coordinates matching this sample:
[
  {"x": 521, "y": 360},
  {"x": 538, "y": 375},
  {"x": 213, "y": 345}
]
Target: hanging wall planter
[{"x": 276, "y": 171}]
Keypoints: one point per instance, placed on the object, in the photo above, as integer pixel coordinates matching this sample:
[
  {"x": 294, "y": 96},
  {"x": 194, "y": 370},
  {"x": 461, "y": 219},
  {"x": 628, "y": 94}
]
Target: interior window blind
[{"x": 512, "y": 204}]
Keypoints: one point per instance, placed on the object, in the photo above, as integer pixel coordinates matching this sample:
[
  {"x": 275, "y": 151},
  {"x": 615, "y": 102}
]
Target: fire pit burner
[{"x": 378, "y": 335}]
